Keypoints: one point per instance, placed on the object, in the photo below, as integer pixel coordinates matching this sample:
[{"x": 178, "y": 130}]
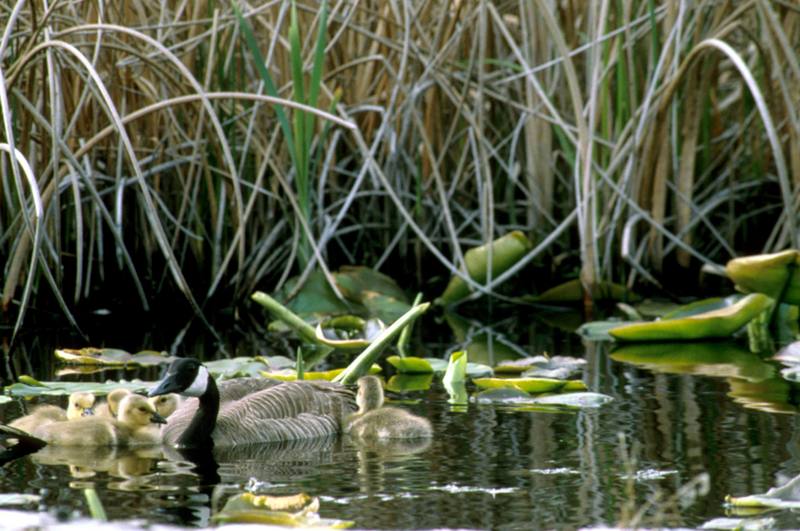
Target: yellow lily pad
[
  {"x": 768, "y": 274},
  {"x": 290, "y": 375},
  {"x": 718, "y": 323},
  {"x": 529, "y": 385}
]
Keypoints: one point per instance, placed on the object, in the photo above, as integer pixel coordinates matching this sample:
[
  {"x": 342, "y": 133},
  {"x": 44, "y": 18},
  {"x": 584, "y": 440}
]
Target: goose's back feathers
[{"x": 263, "y": 410}]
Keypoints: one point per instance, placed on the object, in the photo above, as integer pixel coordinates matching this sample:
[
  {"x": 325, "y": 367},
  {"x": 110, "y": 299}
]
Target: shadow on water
[{"x": 711, "y": 409}]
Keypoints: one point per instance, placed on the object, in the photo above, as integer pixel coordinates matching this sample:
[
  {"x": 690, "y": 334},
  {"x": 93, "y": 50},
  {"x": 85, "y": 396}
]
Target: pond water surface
[{"x": 711, "y": 421}]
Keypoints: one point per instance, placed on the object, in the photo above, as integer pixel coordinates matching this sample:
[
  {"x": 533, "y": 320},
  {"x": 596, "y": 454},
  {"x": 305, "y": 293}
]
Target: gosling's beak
[
  {"x": 87, "y": 412},
  {"x": 165, "y": 386},
  {"x": 157, "y": 419}
]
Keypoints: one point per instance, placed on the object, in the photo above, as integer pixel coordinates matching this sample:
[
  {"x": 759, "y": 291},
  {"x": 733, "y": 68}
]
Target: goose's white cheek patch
[{"x": 199, "y": 384}]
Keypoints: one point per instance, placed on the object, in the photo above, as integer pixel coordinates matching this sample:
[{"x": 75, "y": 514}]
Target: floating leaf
[
  {"x": 378, "y": 293},
  {"x": 529, "y": 385},
  {"x": 572, "y": 292},
  {"x": 557, "y": 367},
  {"x": 771, "y": 274},
  {"x": 19, "y": 499},
  {"x": 348, "y": 332},
  {"x": 740, "y": 524},
  {"x": 240, "y": 367},
  {"x": 410, "y": 364},
  {"x": 720, "y": 359},
  {"x": 598, "y": 330},
  {"x": 112, "y": 357},
  {"x": 580, "y": 400},
  {"x": 315, "y": 298},
  {"x": 702, "y": 306},
  {"x": 290, "y": 375},
  {"x": 503, "y": 395},
  {"x": 784, "y": 497},
  {"x": 409, "y": 382},
  {"x": 506, "y": 251},
  {"x": 67, "y": 388},
  {"x": 718, "y": 323},
  {"x": 300, "y": 511}
]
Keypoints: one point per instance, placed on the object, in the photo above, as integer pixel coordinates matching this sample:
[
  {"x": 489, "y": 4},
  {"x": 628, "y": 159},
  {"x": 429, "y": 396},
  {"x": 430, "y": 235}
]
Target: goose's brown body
[{"x": 255, "y": 410}]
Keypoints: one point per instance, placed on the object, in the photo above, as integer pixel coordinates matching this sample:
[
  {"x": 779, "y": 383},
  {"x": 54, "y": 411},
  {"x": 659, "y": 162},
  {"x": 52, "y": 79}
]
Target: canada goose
[
  {"x": 129, "y": 429},
  {"x": 248, "y": 410},
  {"x": 79, "y": 405},
  {"x": 165, "y": 404},
  {"x": 110, "y": 407},
  {"x": 375, "y": 422}
]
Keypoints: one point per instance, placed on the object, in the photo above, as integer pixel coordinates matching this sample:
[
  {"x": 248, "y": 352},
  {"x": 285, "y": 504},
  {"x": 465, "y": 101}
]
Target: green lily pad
[
  {"x": 111, "y": 357},
  {"x": 240, "y": 367},
  {"x": 702, "y": 306},
  {"x": 529, "y": 385},
  {"x": 506, "y": 251},
  {"x": 599, "y": 330},
  {"x": 786, "y": 496},
  {"x": 572, "y": 292},
  {"x": 400, "y": 383},
  {"x": 348, "y": 332},
  {"x": 768, "y": 274},
  {"x": 719, "y": 358},
  {"x": 315, "y": 298},
  {"x": 378, "y": 293},
  {"x": 410, "y": 364},
  {"x": 718, "y": 323},
  {"x": 33, "y": 387}
]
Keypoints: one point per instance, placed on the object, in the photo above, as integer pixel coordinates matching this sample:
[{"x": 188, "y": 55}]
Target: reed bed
[{"x": 166, "y": 143}]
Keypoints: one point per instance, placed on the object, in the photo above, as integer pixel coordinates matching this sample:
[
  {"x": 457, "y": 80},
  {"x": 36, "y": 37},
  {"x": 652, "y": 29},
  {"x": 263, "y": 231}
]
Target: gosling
[
  {"x": 78, "y": 406},
  {"x": 372, "y": 421},
  {"x": 110, "y": 407},
  {"x": 132, "y": 427},
  {"x": 165, "y": 404}
]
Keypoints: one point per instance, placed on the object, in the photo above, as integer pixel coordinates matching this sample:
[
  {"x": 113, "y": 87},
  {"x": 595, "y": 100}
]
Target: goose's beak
[
  {"x": 157, "y": 419},
  {"x": 165, "y": 386}
]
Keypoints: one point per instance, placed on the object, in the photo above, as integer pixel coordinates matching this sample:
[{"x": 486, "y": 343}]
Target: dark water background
[{"x": 489, "y": 466}]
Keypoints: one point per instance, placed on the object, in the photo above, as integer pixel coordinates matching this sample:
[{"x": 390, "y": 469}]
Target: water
[{"x": 489, "y": 466}]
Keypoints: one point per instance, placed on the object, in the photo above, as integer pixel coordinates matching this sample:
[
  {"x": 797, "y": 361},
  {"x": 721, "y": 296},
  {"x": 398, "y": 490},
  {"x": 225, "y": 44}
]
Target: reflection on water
[{"x": 706, "y": 409}]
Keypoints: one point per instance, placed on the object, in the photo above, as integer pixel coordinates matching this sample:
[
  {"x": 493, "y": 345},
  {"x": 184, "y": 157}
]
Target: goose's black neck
[{"x": 199, "y": 431}]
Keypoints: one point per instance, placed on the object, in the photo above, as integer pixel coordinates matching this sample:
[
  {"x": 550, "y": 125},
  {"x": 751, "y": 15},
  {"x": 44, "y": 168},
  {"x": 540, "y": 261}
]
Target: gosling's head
[
  {"x": 80, "y": 405},
  {"x": 114, "y": 398},
  {"x": 370, "y": 393},
  {"x": 164, "y": 404},
  {"x": 136, "y": 411}
]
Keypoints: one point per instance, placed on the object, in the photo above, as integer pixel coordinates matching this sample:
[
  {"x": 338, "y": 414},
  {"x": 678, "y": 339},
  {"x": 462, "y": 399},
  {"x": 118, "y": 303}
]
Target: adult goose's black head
[{"x": 185, "y": 376}]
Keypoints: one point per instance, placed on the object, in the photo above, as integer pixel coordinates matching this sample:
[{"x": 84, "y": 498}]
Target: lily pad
[
  {"x": 288, "y": 511},
  {"x": 572, "y": 292},
  {"x": 315, "y": 298},
  {"x": 529, "y": 385},
  {"x": 599, "y": 330},
  {"x": 400, "y": 383},
  {"x": 506, "y": 251},
  {"x": 111, "y": 357},
  {"x": 349, "y": 332},
  {"x": 19, "y": 499},
  {"x": 718, "y": 323},
  {"x": 240, "y": 367},
  {"x": 33, "y": 387},
  {"x": 770, "y": 274},
  {"x": 410, "y": 364},
  {"x": 579, "y": 400},
  {"x": 557, "y": 367},
  {"x": 290, "y": 375},
  {"x": 378, "y": 293},
  {"x": 784, "y": 497},
  {"x": 719, "y": 358}
]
